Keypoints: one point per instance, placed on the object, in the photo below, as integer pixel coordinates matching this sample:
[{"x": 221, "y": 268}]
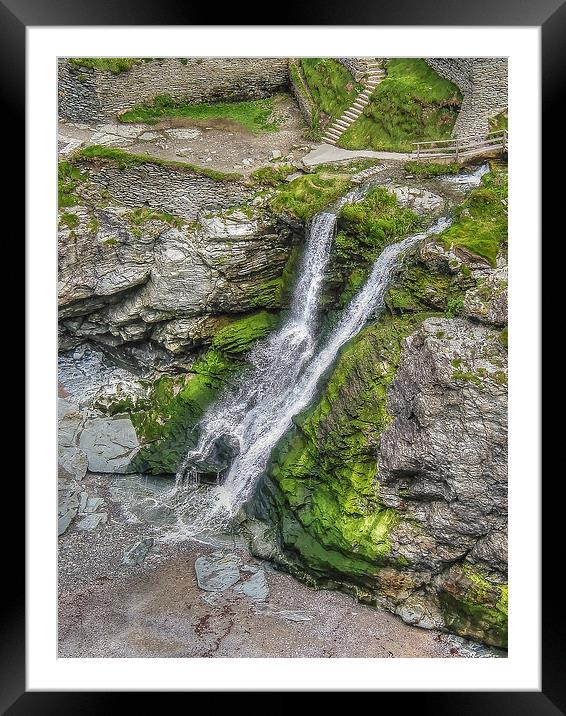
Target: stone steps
[{"x": 375, "y": 75}]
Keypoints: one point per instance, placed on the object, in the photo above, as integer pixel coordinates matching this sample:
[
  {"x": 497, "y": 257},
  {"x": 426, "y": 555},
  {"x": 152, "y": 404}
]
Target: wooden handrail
[{"x": 462, "y": 145}]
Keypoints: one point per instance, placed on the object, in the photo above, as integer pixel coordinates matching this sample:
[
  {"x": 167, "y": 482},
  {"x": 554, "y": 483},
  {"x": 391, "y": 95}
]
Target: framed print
[{"x": 284, "y": 413}]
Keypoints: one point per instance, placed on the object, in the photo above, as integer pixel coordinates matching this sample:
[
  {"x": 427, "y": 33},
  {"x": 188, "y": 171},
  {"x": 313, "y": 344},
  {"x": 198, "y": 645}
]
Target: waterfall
[{"x": 286, "y": 367}]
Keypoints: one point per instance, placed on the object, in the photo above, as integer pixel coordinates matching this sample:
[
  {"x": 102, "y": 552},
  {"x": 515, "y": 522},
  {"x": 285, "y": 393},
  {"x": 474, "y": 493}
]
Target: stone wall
[
  {"x": 483, "y": 83},
  {"x": 175, "y": 191},
  {"x": 91, "y": 95}
]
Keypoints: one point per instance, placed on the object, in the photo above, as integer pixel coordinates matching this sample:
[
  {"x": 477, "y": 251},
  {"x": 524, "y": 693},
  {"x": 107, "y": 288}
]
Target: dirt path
[
  {"x": 221, "y": 145},
  {"x": 157, "y": 609}
]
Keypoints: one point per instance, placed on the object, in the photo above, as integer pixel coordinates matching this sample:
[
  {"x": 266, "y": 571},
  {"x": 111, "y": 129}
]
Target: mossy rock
[
  {"x": 474, "y": 606},
  {"x": 322, "y": 484}
]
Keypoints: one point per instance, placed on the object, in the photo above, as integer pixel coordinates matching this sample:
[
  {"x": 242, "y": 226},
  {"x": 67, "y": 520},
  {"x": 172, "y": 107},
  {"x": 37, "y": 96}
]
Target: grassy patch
[
  {"x": 413, "y": 103},
  {"x": 432, "y": 169},
  {"x": 364, "y": 229},
  {"x": 68, "y": 177},
  {"x": 69, "y": 220},
  {"x": 257, "y": 116},
  {"x": 499, "y": 121},
  {"x": 332, "y": 87},
  {"x": 271, "y": 175},
  {"x": 480, "y": 224},
  {"x": 116, "y": 65},
  {"x": 126, "y": 160},
  {"x": 140, "y": 216},
  {"x": 305, "y": 196}
]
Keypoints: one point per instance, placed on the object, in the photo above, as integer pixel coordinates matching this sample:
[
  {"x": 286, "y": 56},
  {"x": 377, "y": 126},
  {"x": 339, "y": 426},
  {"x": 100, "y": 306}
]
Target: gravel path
[{"x": 157, "y": 609}]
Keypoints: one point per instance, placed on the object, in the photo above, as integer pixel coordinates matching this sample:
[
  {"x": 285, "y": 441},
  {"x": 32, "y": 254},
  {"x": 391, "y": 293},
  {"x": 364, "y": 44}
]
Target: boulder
[{"x": 109, "y": 444}]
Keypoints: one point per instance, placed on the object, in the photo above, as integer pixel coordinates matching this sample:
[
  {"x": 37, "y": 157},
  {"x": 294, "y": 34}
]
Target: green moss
[
  {"x": 256, "y": 116},
  {"x": 68, "y": 178},
  {"x": 331, "y": 85},
  {"x": 476, "y": 607},
  {"x": 503, "y": 337},
  {"x": 480, "y": 224},
  {"x": 271, "y": 175},
  {"x": 237, "y": 337},
  {"x": 140, "y": 216},
  {"x": 364, "y": 229},
  {"x": 116, "y": 65},
  {"x": 305, "y": 196},
  {"x": 69, "y": 220},
  {"x": 432, "y": 169},
  {"x": 276, "y": 292},
  {"x": 325, "y": 469},
  {"x": 126, "y": 160},
  {"x": 499, "y": 121},
  {"x": 413, "y": 103},
  {"x": 93, "y": 224}
]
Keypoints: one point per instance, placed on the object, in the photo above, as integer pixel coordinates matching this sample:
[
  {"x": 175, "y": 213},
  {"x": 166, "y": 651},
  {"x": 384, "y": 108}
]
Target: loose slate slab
[
  {"x": 217, "y": 573},
  {"x": 139, "y": 551},
  {"x": 255, "y": 587}
]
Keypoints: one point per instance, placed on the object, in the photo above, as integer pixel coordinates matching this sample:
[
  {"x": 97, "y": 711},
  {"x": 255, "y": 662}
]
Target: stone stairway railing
[{"x": 375, "y": 75}]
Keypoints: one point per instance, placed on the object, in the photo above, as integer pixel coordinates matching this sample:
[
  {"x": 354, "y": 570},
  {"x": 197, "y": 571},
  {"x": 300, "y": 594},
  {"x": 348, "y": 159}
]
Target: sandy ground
[
  {"x": 108, "y": 609},
  {"x": 217, "y": 144}
]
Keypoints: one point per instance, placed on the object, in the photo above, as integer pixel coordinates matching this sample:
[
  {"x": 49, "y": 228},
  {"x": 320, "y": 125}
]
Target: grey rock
[
  {"x": 109, "y": 444},
  {"x": 256, "y": 587},
  {"x": 217, "y": 573},
  {"x": 443, "y": 458},
  {"x": 488, "y": 301},
  {"x": 419, "y": 200},
  {"x": 150, "y": 136},
  {"x": 92, "y": 521},
  {"x": 72, "y": 461},
  {"x": 276, "y": 154},
  {"x": 138, "y": 552},
  {"x": 68, "y": 508},
  {"x": 183, "y": 133},
  {"x": 92, "y": 504}
]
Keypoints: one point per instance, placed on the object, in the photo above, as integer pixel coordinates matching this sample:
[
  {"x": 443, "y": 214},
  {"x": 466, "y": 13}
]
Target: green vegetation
[
  {"x": 420, "y": 287},
  {"x": 305, "y": 196},
  {"x": 503, "y": 337},
  {"x": 413, "y": 103},
  {"x": 116, "y": 65},
  {"x": 327, "y": 501},
  {"x": 256, "y": 116},
  {"x": 68, "y": 177},
  {"x": 139, "y": 217},
  {"x": 476, "y": 607},
  {"x": 165, "y": 421},
  {"x": 432, "y": 169},
  {"x": 364, "y": 229},
  {"x": 331, "y": 85},
  {"x": 499, "y": 121},
  {"x": 271, "y": 175},
  {"x": 69, "y": 220},
  {"x": 276, "y": 292},
  {"x": 126, "y": 160},
  {"x": 480, "y": 223}
]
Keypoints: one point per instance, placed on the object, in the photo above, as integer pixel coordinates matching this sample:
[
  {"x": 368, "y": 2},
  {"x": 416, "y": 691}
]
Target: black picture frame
[{"x": 550, "y": 16}]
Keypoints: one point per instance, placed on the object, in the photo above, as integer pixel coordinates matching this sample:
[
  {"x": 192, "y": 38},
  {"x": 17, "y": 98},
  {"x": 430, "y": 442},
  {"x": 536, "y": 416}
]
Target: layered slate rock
[{"x": 124, "y": 277}]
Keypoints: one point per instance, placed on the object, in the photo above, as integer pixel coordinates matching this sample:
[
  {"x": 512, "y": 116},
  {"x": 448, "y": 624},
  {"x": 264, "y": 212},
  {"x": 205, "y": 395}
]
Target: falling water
[{"x": 286, "y": 368}]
